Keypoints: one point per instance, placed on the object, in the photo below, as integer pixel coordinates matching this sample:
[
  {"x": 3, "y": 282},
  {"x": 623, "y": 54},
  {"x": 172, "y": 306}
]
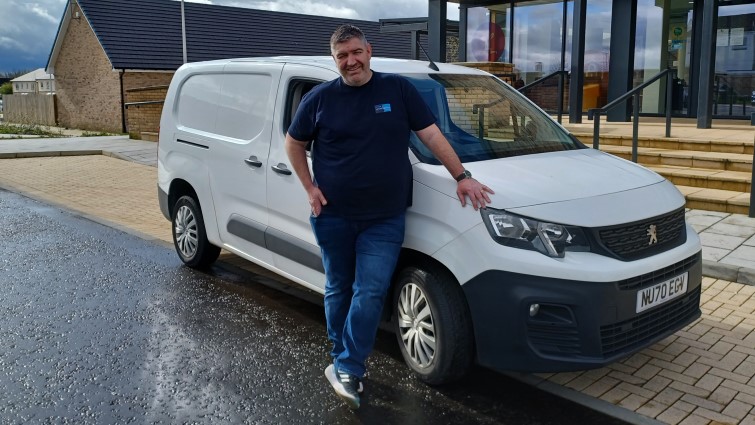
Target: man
[{"x": 360, "y": 125}]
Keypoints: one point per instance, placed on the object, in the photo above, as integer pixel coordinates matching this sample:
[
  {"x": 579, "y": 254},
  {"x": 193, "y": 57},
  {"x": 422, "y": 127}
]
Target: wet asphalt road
[{"x": 99, "y": 326}]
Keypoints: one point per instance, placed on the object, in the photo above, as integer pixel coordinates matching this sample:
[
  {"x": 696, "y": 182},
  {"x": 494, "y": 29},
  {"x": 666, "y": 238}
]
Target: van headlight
[{"x": 517, "y": 231}]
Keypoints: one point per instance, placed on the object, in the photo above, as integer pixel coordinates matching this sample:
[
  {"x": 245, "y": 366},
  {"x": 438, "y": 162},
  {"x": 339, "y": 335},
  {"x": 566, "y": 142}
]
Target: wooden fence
[{"x": 29, "y": 109}]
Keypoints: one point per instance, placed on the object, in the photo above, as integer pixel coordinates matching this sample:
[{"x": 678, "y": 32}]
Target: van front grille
[
  {"x": 659, "y": 275},
  {"x": 644, "y": 238},
  {"x": 624, "y": 336}
]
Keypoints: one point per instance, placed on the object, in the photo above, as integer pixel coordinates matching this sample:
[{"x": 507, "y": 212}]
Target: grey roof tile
[{"x": 146, "y": 34}]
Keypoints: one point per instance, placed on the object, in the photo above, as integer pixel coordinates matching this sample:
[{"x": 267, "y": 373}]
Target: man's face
[{"x": 353, "y": 60}]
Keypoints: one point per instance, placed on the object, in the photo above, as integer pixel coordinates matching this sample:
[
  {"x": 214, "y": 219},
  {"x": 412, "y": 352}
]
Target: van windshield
[{"x": 484, "y": 118}]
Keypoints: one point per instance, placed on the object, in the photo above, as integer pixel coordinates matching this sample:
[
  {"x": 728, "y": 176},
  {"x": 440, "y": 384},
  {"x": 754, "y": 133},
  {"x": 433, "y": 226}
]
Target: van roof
[{"x": 399, "y": 66}]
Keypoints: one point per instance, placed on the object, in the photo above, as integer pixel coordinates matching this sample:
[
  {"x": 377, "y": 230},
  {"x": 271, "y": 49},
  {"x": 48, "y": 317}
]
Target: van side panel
[{"x": 238, "y": 155}]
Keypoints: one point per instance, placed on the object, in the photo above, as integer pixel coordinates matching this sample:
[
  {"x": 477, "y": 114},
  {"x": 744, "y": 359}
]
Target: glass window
[
  {"x": 478, "y": 36},
  {"x": 537, "y": 38},
  {"x": 488, "y": 34},
  {"x": 484, "y": 118},
  {"x": 734, "y": 85},
  {"x": 651, "y": 53}
]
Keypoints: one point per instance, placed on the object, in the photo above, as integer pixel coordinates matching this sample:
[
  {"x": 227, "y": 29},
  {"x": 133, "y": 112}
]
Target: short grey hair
[{"x": 345, "y": 33}]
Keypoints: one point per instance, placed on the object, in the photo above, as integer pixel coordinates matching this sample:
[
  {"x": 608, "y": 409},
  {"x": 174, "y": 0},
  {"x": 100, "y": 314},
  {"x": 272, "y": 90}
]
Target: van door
[
  {"x": 289, "y": 235},
  {"x": 244, "y": 124}
]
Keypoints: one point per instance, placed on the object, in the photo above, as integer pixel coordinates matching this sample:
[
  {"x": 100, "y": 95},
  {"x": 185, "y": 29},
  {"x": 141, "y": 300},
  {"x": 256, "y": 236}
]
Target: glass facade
[
  {"x": 530, "y": 35},
  {"x": 537, "y": 38},
  {"x": 734, "y": 85}
]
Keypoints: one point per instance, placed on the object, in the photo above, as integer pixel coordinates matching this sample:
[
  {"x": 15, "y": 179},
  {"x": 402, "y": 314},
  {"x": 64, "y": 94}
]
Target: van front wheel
[
  {"x": 432, "y": 324},
  {"x": 189, "y": 235}
]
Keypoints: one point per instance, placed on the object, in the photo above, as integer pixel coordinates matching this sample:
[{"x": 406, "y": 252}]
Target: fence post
[
  {"x": 635, "y": 124},
  {"x": 596, "y": 129},
  {"x": 669, "y": 100}
]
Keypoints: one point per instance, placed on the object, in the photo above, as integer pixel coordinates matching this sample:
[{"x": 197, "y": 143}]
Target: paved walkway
[{"x": 704, "y": 374}]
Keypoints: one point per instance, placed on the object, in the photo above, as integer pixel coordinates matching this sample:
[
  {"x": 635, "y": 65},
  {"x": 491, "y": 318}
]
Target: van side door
[
  {"x": 239, "y": 160},
  {"x": 289, "y": 235}
]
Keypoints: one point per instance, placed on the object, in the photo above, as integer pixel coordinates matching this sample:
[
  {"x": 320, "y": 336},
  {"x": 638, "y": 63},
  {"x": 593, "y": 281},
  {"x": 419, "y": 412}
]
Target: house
[
  {"x": 36, "y": 82},
  {"x": 113, "y": 60}
]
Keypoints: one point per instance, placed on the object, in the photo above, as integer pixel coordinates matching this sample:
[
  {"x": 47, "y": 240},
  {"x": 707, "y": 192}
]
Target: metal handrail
[
  {"x": 147, "y": 102},
  {"x": 561, "y": 73},
  {"x": 594, "y": 114},
  {"x": 541, "y": 80}
]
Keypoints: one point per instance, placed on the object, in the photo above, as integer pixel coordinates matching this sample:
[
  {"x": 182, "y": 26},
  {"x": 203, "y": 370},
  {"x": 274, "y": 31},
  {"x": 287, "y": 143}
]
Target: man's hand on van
[
  {"x": 316, "y": 200},
  {"x": 476, "y": 191}
]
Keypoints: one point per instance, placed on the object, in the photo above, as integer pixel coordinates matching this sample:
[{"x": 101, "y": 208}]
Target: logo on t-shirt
[{"x": 385, "y": 107}]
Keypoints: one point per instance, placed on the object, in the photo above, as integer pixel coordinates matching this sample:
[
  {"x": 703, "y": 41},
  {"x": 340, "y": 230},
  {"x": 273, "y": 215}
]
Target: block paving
[{"x": 703, "y": 374}]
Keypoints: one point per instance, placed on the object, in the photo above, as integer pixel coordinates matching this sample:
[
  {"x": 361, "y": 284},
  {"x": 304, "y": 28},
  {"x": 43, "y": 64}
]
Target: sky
[{"x": 28, "y": 27}]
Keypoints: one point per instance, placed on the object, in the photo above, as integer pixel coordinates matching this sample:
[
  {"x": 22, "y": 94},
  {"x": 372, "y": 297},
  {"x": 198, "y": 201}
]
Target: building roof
[
  {"x": 146, "y": 34},
  {"x": 37, "y": 74}
]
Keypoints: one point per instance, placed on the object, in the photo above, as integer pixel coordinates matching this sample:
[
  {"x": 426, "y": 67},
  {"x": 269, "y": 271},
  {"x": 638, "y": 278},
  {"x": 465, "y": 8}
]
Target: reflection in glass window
[
  {"x": 537, "y": 38},
  {"x": 484, "y": 118},
  {"x": 734, "y": 85}
]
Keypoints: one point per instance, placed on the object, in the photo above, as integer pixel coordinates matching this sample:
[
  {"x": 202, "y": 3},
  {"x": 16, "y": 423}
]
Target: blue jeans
[{"x": 359, "y": 257}]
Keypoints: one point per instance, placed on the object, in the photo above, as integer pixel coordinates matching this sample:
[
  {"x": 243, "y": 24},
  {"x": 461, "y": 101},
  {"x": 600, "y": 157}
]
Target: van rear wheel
[
  {"x": 189, "y": 235},
  {"x": 433, "y": 325}
]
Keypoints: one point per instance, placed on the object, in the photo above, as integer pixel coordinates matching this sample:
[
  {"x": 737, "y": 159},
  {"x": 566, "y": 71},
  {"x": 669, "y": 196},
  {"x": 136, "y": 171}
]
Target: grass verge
[{"x": 28, "y": 130}]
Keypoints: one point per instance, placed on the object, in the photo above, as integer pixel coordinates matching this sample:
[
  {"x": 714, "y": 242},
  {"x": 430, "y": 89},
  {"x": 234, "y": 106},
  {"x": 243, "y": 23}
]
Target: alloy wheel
[
  {"x": 186, "y": 231},
  {"x": 415, "y": 322}
]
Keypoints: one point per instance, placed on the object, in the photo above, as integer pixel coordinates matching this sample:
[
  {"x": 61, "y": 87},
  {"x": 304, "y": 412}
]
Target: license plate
[{"x": 661, "y": 292}]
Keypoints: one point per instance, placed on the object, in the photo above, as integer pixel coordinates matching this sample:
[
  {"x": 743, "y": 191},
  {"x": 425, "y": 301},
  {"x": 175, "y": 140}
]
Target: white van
[{"x": 582, "y": 258}]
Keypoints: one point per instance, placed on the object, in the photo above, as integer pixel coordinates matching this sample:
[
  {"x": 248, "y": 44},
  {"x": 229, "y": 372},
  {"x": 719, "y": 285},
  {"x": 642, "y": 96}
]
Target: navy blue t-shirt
[{"x": 361, "y": 140}]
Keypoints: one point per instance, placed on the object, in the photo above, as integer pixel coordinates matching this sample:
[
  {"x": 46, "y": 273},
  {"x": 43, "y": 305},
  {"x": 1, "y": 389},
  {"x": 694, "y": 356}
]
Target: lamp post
[{"x": 183, "y": 30}]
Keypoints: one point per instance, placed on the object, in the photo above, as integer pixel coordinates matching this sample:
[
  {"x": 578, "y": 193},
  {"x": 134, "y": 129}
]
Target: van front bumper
[{"x": 578, "y": 325}]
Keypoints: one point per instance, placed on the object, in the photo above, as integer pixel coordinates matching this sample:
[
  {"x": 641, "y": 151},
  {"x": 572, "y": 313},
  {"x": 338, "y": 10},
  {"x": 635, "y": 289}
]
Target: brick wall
[
  {"x": 460, "y": 104},
  {"x": 88, "y": 89},
  {"x": 142, "y": 120},
  {"x": 452, "y": 48},
  {"x": 500, "y": 69},
  {"x": 545, "y": 95}
]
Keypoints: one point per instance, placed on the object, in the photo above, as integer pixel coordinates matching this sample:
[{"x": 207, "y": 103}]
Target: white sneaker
[{"x": 346, "y": 386}]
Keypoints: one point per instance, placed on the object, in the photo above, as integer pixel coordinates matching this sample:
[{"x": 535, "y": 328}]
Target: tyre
[
  {"x": 189, "y": 235},
  {"x": 433, "y": 325}
]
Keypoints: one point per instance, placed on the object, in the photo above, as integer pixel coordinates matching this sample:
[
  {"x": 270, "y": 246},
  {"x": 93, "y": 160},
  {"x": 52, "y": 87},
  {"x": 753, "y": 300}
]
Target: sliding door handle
[
  {"x": 281, "y": 169},
  {"x": 252, "y": 161}
]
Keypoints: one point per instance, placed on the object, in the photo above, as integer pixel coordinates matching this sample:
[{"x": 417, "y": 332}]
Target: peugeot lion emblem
[{"x": 652, "y": 234}]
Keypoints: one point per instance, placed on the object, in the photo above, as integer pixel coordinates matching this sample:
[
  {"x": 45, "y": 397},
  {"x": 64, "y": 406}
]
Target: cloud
[
  {"x": 368, "y": 10},
  {"x": 43, "y": 13},
  {"x": 27, "y": 32}
]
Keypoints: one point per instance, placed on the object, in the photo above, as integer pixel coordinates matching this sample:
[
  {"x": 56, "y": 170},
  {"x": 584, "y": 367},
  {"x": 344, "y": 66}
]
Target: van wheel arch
[
  {"x": 452, "y": 327},
  {"x": 179, "y": 188},
  {"x": 203, "y": 253}
]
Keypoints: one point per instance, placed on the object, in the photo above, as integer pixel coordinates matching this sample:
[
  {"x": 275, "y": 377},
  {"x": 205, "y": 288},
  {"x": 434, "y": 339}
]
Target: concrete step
[
  {"x": 685, "y": 158},
  {"x": 716, "y": 200},
  {"x": 722, "y": 146},
  {"x": 704, "y": 178},
  {"x": 149, "y": 136}
]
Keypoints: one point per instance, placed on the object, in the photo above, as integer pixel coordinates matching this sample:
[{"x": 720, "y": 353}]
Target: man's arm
[
  {"x": 297, "y": 154},
  {"x": 477, "y": 192}
]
